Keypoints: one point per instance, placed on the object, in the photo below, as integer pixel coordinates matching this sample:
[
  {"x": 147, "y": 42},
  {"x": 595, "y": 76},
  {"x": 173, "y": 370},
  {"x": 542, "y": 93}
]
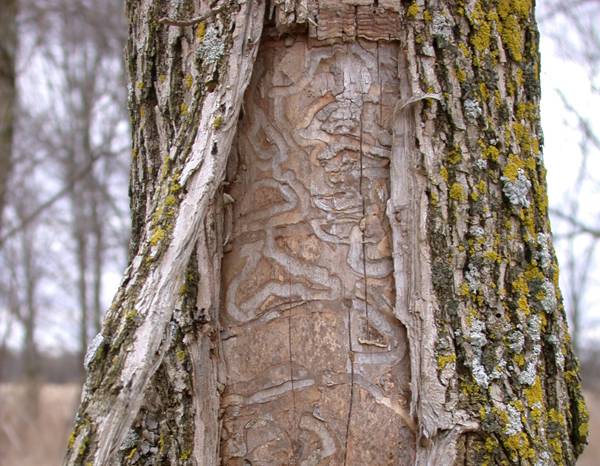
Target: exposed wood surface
[{"x": 316, "y": 363}]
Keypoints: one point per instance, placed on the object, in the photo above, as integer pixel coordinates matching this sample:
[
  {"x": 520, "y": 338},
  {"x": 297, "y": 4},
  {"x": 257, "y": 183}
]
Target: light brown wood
[{"x": 316, "y": 364}]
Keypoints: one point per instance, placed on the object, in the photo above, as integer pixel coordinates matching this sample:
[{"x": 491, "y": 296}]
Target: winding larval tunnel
[{"x": 314, "y": 363}]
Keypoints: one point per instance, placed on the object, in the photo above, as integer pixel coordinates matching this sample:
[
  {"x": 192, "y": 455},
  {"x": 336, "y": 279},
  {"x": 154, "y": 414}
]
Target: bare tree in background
[
  {"x": 74, "y": 146},
  {"x": 84, "y": 52},
  {"x": 578, "y": 245},
  {"x": 573, "y": 28},
  {"x": 8, "y": 91},
  {"x": 24, "y": 262},
  {"x": 26, "y": 275}
]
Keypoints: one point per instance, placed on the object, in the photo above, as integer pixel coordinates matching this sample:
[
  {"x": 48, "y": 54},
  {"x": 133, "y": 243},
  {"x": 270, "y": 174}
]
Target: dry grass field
[
  {"x": 591, "y": 455},
  {"x": 42, "y": 443},
  {"x": 23, "y": 443}
]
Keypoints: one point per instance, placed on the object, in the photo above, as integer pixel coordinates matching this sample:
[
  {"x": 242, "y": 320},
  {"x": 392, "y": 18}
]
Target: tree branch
[
  {"x": 582, "y": 227},
  {"x": 50, "y": 201}
]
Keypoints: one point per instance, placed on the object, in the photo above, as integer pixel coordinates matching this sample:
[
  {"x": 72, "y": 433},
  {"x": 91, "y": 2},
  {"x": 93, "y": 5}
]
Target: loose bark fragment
[{"x": 335, "y": 20}]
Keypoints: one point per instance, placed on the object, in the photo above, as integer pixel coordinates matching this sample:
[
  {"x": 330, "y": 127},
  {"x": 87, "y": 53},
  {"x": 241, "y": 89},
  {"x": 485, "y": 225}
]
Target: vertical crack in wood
[
  {"x": 351, "y": 402},
  {"x": 363, "y": 224},
  {"x": 293, "y": 433},
  {"x": 380, "y": 86}
]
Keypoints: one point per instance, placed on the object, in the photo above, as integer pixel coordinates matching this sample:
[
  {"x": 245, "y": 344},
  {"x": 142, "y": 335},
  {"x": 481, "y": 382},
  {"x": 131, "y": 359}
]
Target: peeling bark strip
[
  {"x": 493, "y": 379},
  {"x": 187, "y": 88}
]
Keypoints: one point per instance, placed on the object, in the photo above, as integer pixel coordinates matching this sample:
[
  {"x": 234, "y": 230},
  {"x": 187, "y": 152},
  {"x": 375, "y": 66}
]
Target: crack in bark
[
  {"x": 351, "y": 402},
  {"x": 363, "y": 223}
]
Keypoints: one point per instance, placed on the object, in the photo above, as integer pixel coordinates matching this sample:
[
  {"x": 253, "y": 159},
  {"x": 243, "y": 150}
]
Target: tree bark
[{"x": 388, "y": 292}]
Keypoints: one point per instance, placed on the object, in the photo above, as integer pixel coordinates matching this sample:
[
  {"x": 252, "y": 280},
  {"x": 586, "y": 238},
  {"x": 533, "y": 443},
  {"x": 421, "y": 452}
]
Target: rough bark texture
[
  {"x": 317, "y": 346},
  {"x": 501, "y": 346}
]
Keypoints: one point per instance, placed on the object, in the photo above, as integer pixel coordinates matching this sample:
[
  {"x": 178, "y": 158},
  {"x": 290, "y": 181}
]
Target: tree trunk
[
  {"x": 28, "y": 314},
  {"x": 365, "y": 276},
  {"x": 8, "y": 93}
]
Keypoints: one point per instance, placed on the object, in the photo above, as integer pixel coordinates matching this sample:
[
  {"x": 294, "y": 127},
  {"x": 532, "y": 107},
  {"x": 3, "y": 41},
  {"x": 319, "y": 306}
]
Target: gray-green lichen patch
[
  {"x": 476, "y": 337},
  {"x": 548, "y": 300},
  {"x": 543, "y": 254},
  {"x": 472, "y": 109},
  {"x": 528, "y": 375},
  {"x": 517, "y": 190},
  {"x": 513, "y": 424},
  {"x": 212, "y": 48}
]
